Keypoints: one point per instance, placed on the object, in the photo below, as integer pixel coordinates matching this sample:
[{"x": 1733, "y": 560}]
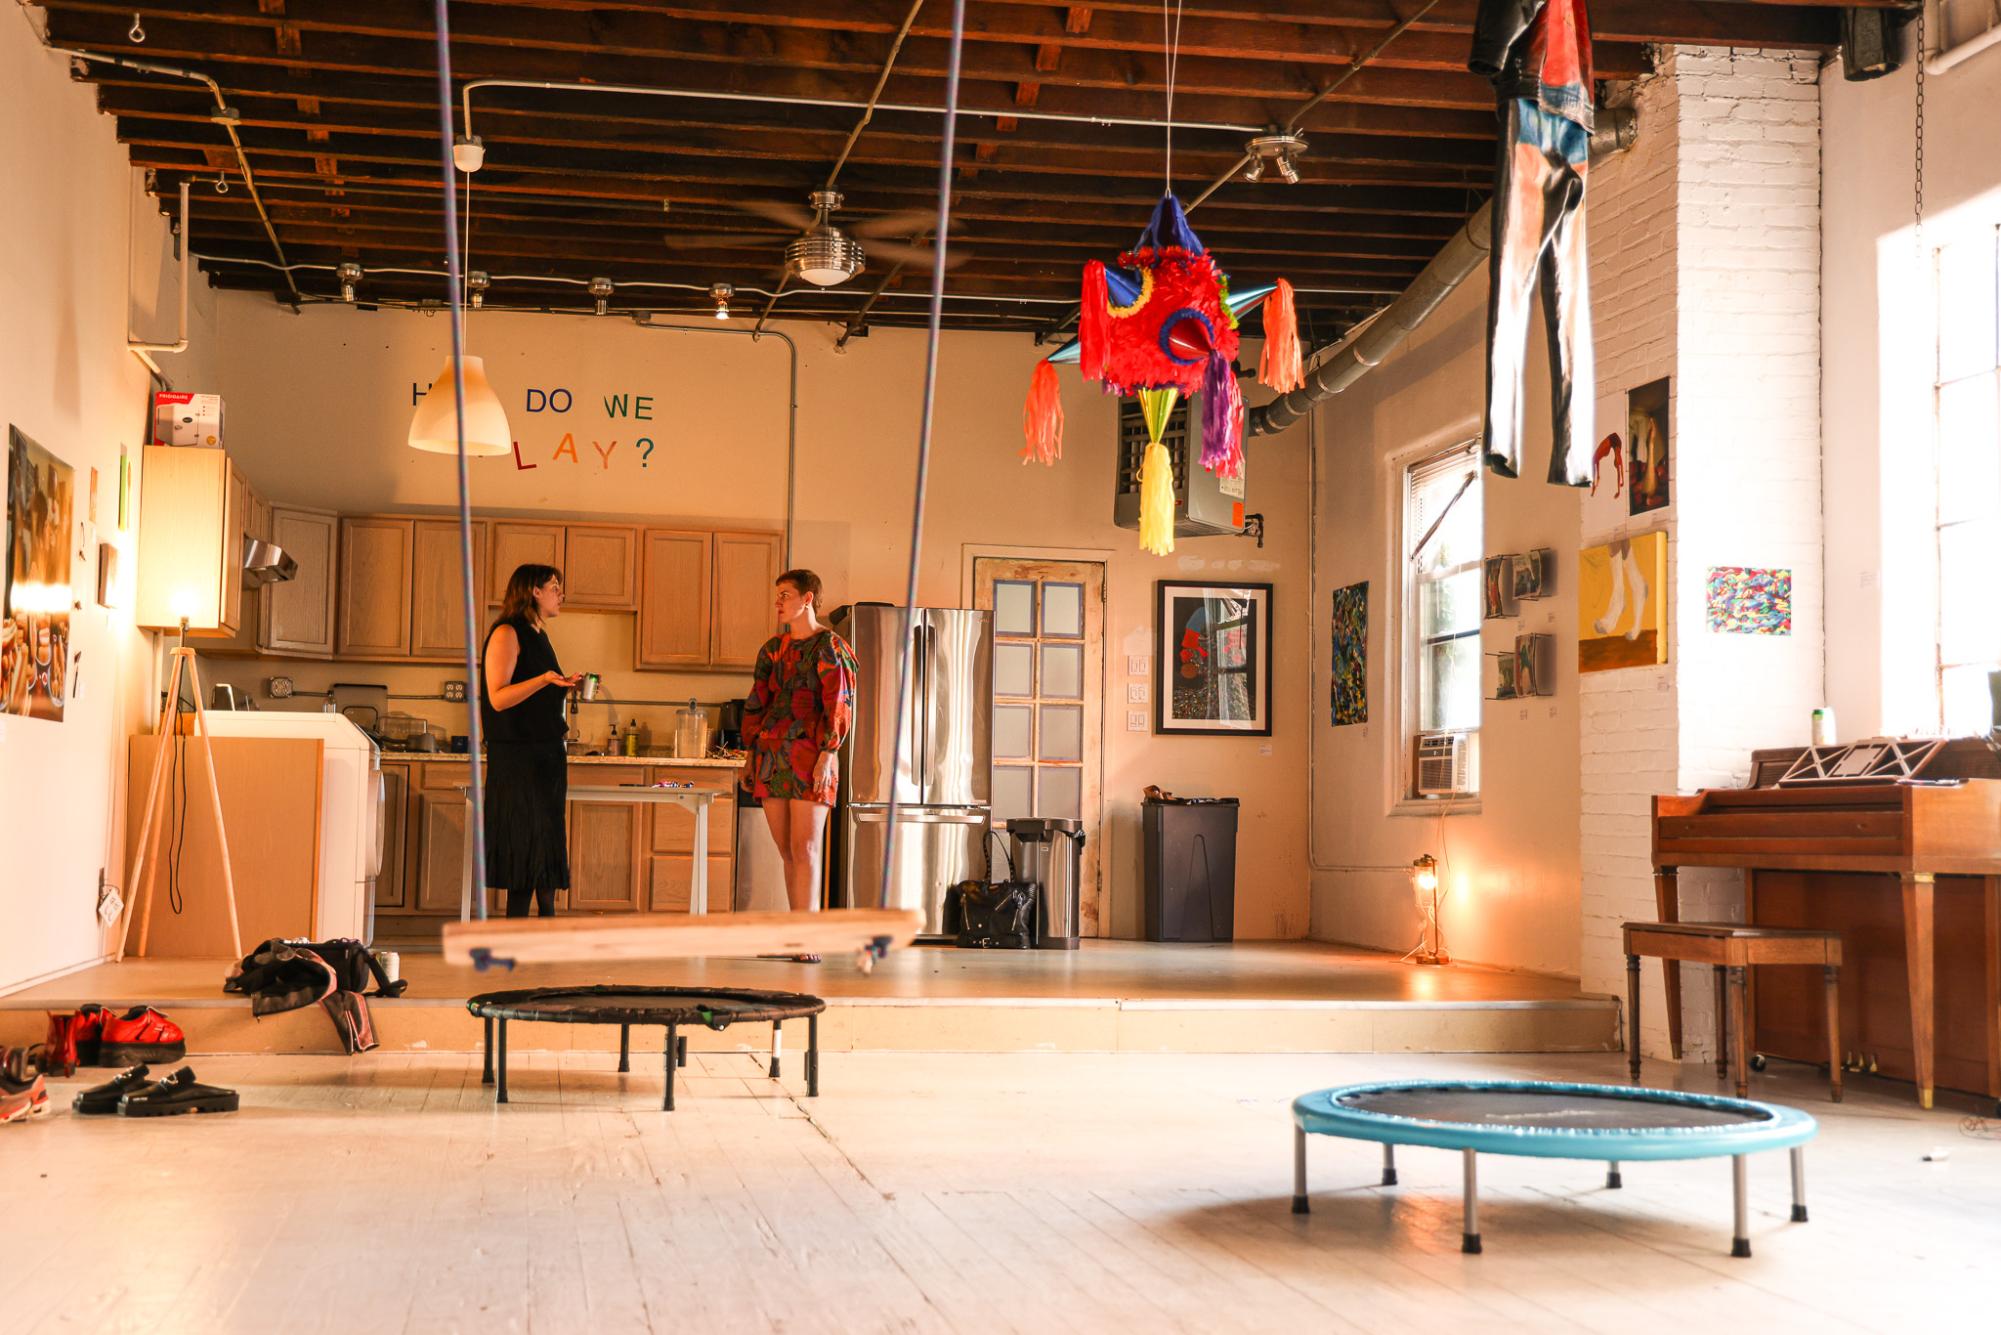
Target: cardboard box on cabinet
[{"x": 187, "y": 419}]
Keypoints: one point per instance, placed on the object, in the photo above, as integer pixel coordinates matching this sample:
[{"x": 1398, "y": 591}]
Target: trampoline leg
[
  {"x": 1612, "y": 1179},
  {"x": 1469, "y": 1240},
  {"x": 1389, "y": 1165},
  {"x": 1799, "y": 1184},
  {"x": 777, "y": 1045},
  {"x": 500, "y": 1063},
  {"x": 624, "y": 1048},
  {"x": 1299, "y": 1170},
  {"x": 1740, "y": 1242},
  {"x": 673, "y": 1047},
  {"x": 812, "y": 1056},
  {"x": 486, "y": 1053},
  {"x": 680, "y": 1052},
  {"x": 1633, "y": 1017}
]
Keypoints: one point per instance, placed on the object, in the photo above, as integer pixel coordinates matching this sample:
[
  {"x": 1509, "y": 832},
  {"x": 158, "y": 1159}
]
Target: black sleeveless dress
[{"x": 527, "y": 780}]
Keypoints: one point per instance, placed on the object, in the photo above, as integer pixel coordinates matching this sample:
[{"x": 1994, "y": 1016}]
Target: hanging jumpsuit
[{"x": 1538, "y": 54}]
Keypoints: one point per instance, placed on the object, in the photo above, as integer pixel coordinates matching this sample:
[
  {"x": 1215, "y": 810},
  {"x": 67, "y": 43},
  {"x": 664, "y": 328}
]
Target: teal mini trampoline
[{"x": 1550, "y": 1120}]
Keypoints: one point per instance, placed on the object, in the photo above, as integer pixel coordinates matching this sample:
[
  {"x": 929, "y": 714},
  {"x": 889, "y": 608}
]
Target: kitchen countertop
[{"x": 665, "y": 762}]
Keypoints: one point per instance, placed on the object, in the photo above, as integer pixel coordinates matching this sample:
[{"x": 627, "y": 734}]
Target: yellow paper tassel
[{"x": 1156, "y": 501}]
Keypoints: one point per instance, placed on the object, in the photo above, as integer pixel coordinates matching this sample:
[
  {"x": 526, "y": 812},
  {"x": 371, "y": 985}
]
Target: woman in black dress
[{"x": 521, "y": 690}]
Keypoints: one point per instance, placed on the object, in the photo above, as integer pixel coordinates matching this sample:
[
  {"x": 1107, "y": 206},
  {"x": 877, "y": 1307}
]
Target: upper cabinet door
[
  {"x": 517, "y": 544},
  {"x": 599, "y": 570},
  {"x": 437, "y": 608},
  {"x": 746, "y": 569},
  {"x": 375, "y": 588},
  {"x": 297, "y": 616},
  {"x": 674, "y": 592}
]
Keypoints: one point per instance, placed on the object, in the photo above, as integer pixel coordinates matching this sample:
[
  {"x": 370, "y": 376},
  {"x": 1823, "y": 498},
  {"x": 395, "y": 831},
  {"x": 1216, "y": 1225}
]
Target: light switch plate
[
  {"x": 1135, "y": 720},
  {"x": 1136, "y": 665},
  {"x": 1137, "y": 692}
]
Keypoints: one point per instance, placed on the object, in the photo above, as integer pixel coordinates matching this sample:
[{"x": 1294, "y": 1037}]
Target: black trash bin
[{"x": 1191, "y": 869}]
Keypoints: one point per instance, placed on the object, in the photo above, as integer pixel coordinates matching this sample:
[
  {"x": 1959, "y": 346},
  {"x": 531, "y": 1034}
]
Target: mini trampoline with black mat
[
  {"x": 1550, "y": 1120},
  {"x": 668, "y": 1007}
]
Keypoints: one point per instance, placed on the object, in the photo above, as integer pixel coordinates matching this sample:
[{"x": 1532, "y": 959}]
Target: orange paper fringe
[
  {"x": 1280, "y": 366},
  {"x": 1094, "y": 322},
  {"x": 1042, "y": 417}
]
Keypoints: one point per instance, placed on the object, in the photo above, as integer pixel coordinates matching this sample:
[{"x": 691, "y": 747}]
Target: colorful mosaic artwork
[
  {"x": 1749, "y": 601},
  {"x": 1350, "y": 662}
]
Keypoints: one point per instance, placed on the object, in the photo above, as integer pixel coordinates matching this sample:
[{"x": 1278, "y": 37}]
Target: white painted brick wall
[{"x": 1706, "y": 267}]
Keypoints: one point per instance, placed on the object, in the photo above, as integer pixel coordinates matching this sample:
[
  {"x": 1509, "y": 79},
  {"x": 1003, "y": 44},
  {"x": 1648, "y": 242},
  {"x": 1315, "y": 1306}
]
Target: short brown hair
[{"x": 803, "y": 582}]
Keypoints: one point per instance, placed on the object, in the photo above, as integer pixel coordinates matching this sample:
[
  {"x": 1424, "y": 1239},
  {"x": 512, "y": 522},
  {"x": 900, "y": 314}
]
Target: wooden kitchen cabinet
[
  {"x": 437, "y": 839},
  {"x": 375, "y": 568},
  {"x": 600, "y": 566},
  {"x": 671, "y": 880},
  {"x": 296, "y": 618},
  {"x": 747, "y": 566},
  {"x": 437, "y": 584},
  {"x": 672, "y": 843},
  {"x": 514, "y": 544},
  {"x": 192, "y": 507},
  {"x": 607, "y": 843},
  {"x": 676, "y": 593},
  {"x": 392, "y": 880}
]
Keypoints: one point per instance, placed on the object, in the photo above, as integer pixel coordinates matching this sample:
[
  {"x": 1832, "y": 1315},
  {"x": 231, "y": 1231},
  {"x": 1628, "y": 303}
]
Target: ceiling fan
[{"x": 826, "y": 255}]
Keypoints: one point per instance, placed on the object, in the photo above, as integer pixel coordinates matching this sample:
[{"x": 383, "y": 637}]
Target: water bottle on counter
[
  {"x": 691, "y": 733},
  {"x": 1823, "y": 726}
]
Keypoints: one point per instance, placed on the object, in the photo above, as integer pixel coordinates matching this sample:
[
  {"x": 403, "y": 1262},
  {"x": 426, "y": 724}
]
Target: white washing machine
[{"x": 351, "y": 811}]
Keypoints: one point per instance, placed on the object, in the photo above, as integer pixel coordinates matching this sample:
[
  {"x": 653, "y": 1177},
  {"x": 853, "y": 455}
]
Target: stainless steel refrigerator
[{"x": 943, "y": 781}]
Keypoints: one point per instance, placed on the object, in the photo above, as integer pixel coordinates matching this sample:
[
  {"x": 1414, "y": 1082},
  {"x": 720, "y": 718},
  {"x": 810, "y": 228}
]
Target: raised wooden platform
[{"x": 1111, "y": 996}]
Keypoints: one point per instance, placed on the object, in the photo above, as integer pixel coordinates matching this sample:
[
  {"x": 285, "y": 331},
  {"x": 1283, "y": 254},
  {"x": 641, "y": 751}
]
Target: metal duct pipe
[
  {"x": 139, "y": 347},
  {"x": 1618, "y": 127}
]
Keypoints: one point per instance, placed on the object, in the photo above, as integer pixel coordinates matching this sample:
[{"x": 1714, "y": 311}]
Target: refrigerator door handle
[
  {"x": 921, "y": 702},
  {"x": 921, "y": 815}
]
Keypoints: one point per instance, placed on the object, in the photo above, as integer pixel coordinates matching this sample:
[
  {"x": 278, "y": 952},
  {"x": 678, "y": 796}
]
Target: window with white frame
[
  {"x": 1968, "y": 389},
  {"x": 1440, "y": 553}
]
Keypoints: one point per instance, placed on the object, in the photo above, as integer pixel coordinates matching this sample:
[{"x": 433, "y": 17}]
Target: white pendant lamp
[{"x": 434, "y": 428}]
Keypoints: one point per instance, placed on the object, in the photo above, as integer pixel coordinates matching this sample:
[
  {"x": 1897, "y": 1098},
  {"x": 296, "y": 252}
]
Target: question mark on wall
[{"x": 645, "y": 446}]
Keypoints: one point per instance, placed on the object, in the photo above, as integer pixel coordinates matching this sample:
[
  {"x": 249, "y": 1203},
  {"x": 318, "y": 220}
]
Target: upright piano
[{"x": 1908, "y": 871}]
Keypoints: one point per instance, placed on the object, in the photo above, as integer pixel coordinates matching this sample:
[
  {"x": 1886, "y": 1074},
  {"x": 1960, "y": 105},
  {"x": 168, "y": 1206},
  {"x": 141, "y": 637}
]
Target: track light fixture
[
  {"x": 721, "y": 293},
  {"x": 1281, "y": 150},
  {"x": 601, "y": 290},
  {"x": 477, "y": 282},
  {"x": 349, "y": 274}
]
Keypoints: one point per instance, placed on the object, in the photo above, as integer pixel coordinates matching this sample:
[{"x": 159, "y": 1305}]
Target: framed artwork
[
  {"x": 1494, "y": 589},
  {"x": 1647, "y": 437},
  {"x": 1532, "y": 571},
  {"x": 1504, "y": 680},
  {"x": 1349, "y": 663},
  {"x": 1212, "y": 655},
  {"x": 1622, "y": 604},
  {"x": 1744, "y": 600},
  {"x": 34, "y": 620}
]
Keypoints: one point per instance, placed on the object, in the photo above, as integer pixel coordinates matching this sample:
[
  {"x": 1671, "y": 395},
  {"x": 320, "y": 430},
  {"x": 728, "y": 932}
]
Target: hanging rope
[
  {"x": 1170, "y": 41},
  {"x": 455, "y": 294},
  {"x": 942, "y": 231}
]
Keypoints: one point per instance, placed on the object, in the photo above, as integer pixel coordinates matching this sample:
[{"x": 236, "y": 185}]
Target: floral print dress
[{"x": 801, "y": 706}]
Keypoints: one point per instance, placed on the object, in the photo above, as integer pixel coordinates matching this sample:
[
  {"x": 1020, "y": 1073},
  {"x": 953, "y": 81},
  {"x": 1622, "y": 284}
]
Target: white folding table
[{"x": 696, "y": 800}]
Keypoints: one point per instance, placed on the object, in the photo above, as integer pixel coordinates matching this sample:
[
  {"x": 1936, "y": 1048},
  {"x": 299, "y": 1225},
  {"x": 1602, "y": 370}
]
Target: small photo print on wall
[
  {"x": 1647, "y": 437},
  {"x": 1494, "y": 592},
  {"x": 1743, "y": 600},
  {"x": 1213, "y": 651},
  {"x": 1349, "y": 664}
]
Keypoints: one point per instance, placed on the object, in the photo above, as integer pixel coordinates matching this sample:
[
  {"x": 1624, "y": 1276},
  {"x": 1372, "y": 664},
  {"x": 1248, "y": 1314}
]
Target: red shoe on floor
[
  {"x": 73, "y": 1040},
  {"x": 142, "y": 1034},
  {"x": 21, "y": 1095}
]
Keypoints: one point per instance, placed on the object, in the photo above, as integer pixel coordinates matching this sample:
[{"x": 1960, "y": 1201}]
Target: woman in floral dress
[{"x": 794, "y": 721}]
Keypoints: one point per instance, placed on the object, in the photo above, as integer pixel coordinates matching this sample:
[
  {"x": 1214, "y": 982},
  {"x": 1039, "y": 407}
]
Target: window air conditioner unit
[
  {"x": 1204, "y": 505},
  {"x": 1445, "y": 763}
]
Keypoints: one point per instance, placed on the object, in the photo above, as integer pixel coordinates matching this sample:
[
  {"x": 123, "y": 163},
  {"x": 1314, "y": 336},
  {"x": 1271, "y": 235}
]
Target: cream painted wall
[
  {"x": 1880, "y": 489},
  {"x": 69, "y": 217},
  {"x": 319, "y": 405}
]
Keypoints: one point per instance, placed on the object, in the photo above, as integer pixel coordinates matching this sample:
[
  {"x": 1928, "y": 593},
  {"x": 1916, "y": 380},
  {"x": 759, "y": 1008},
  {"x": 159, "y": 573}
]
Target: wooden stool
[{"x": 1732, "y": 949}]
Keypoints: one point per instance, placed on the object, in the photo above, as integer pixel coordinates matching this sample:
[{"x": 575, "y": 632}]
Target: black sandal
[
  {"x": 102, "y": 1100},
  {"x": 178, "y": 1093}
]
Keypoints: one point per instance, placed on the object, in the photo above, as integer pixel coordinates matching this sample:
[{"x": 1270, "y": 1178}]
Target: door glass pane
[
  {"x": 1063, "y": 610},
  {"x": 1011, "y": 800},
  {"x": 1012, "y": 726},
  {"x": 1014, "y": 607},
  {"x": 1062, "y": 672},
  {"x": 1062, "y": 791},
  {"x": 1062, "y": 733},
  {"x": 1014, "y": 669}
]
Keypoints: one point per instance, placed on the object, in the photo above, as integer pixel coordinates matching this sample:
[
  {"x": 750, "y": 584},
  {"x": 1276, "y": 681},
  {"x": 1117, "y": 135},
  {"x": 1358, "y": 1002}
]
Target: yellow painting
[{"x": 1622, "y": 604}]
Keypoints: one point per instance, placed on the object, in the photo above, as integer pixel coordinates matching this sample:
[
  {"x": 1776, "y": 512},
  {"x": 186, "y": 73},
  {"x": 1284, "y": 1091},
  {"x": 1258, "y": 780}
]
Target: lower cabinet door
[
  {"x": 439, "y": 862},
  {"x": 672, "y": 879},
  {"x": 605, "y": 850},
  {"x": 392, "y": 886}
]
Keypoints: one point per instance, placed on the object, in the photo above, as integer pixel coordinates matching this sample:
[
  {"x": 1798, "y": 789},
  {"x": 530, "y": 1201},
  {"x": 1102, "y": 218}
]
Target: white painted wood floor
[{"x": 1031, "y": 1193}]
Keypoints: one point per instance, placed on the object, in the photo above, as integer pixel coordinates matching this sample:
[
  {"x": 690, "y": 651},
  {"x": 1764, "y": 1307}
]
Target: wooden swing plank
[{"x": 648, "y": 936}]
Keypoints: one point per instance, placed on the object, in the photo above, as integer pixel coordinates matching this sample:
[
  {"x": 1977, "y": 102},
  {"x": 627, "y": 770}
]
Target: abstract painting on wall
[
  {"x": 1622, "y": 604},
  {"x": 1647, "y": 445},
  {"x": 1749, "y": 601},
  {"x": 34, "y": 620},
  {"x": 1349, "y": 665},
  {"x": 1214, "y": 659}
]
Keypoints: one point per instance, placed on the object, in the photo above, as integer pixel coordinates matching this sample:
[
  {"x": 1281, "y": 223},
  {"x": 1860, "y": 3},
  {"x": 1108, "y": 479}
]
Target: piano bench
[{"x": 1732, "y": 950}]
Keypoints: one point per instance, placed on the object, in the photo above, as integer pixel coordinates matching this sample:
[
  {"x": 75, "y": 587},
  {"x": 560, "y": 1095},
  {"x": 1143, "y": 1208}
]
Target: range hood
[{"x": 266, "y": 563}]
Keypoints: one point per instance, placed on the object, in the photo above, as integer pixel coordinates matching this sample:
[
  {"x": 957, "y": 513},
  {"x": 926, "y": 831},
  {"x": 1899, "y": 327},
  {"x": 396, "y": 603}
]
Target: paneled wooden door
[{"x": 1049, "y": 707}]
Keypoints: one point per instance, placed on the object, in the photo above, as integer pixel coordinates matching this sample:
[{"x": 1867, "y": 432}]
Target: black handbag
[{"x": 994, "y": 915}]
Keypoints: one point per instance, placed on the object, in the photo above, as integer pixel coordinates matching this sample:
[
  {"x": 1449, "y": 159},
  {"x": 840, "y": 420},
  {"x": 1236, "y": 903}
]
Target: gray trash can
[
  {"x": 1049, "y": 850},
  {"x": 1190, "y": 891}
]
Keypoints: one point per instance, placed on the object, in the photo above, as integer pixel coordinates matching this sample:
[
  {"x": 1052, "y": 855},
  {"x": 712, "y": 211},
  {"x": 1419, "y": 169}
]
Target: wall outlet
[
  {"x": 278, "y": 688},
  {"x": 1138, "y": 692},
  {"x": 1136, "y": 665},
  {"x": 455, "y": 691},
  {"x": 1135, "y": 720}
]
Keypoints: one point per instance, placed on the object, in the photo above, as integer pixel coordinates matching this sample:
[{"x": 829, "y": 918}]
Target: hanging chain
[{"x": 1918, "y": 163}]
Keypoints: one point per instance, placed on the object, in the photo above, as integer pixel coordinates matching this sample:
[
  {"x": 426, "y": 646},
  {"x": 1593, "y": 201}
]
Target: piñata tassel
[
  {"x": 1280, "y": 366},
  {"x": 1042, "y": 417},
  {"x": 1094, "y": 322},
  {"x": 1156, "y": 474},
  {"x": 1222, "y": 419}
]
